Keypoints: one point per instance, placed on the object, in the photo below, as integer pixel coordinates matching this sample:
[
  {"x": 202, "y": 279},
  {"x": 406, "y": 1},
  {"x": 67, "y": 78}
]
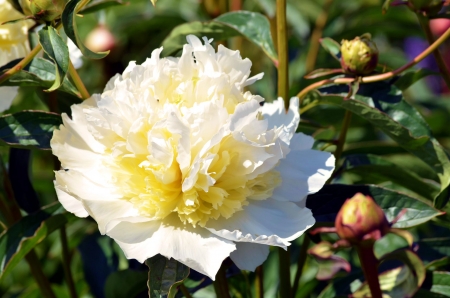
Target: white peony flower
[
  {"x": 13, "y": 45},
  {"x": 175, "y": 158}
]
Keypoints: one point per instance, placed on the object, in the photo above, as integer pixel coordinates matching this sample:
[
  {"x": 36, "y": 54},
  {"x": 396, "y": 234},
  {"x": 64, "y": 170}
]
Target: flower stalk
[
  {"x": 378, "y": 77},
  {"x": 259, "y": 282},
  {"x": 78, "y": 82},
  {"x": 21, "y": 65},
  {"x": 425, "y": 24},
  {"x": 369, "y": 265},
  {"x": 221, "y": 284},
  {"x": 301, "y": 263},
  {"x": 283, "y": 71},
  {"x": 342, "y": 136}
]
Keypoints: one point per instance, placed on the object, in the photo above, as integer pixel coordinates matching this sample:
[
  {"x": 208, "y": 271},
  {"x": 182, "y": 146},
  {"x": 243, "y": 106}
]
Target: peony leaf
[
  {"x": 57, "y": 50},
  {"x": 23, "y": 236},
  {"x": 322, "y": 72},
  {"x": 437, "y": 282},
  {"x": 376, "y": 169},
  {"x": 40, "y": 72},
  {"x": 431, "y": 249},
  {"x": 125, "y": 283},
  {"x": 382, "y": 104},
  {"x": 100, "y": 5},
  {"x": 326, "y": 203},
  {"x": 164, "y": 276},
  {"x": 69, "y": 22},
  {"x": 29, "y": 129},
  {"x": 252, "y": 25},
  {"x": 329, "y": 263},
  {"x": 409, "y": 78},
  {"x": 332, "y": 47},
  {"x": 389, "y": 243},
  {"x": 341, "y": 287}
]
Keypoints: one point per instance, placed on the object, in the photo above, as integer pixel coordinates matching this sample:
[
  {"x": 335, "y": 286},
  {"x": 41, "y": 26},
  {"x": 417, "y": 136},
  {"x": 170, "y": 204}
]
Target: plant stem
[
  {"x": 301, "y": 263},
  {"x": 185, "y": 291},
  {"x": 38, "y": 274},
  {"x": 19, "y": 66},
  {"x": 283, "y": 70},
  {"x": 343, "y": 135},
  {"x": 369, "y": 265},
  {"x": 378, "y": 77},
  {"x": 78, "y": 82},
  {"x": 259, "y": 282},
  {"x": 321, "y": 21},
  {"x": 284, "y": 272},
  {"x": 221, "y": 284},
  {"x": 66, "y": 263},
  {"x": 425, "y": 24}
]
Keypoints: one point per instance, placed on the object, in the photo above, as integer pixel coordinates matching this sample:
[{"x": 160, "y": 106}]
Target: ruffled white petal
[
  {"x": 267, "y": 222},
  {"x": 248, "y": 256},
  {"x": 197, "y": 248},
  {"x": 69, "y": 202},
  {"x": 304, "y": 171}
]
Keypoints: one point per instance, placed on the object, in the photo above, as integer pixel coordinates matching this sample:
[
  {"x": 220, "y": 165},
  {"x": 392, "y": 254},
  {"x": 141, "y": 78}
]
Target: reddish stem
[{"x": 369, "y": 265}]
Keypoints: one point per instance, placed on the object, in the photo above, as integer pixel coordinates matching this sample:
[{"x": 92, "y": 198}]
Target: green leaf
[
  {"x": 332, "y": 47},
  {"x": 341, "y": 287},
  {"x": 409, "y": 78},
  {"x": 322, "y": 72},
  {"x": 434, "y": 249},
  {"x": 376, "y": 169},
  {"x": 164, "y": 276},
  {"x": 382, "y": 104},
  {"x": 41, "y": 73},
  {"x": 252, "y": 25},
  {"x": 125, "y": 283},
  {"x": 100, "y": 5},
  {"x": 440, "y": 283},
  {"x": 24, "y": 235},
  {"x": 329, "y": 263},
  {"x": 29, "y": 129},
  {"x": 69, "y": 22},
  {"x": 55, "y": 47},
  {"x": 389, "y": 243},
  {"x": 326, "y": 203}
]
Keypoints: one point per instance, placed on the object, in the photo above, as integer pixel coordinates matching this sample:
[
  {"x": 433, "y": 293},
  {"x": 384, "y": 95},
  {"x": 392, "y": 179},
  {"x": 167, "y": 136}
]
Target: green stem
[
  {"x": 221, "y": 284},
  {"x": 19, "y": 66},
  {"x": 378, "y": 77},
  {"x": 66, "y": 263},
  {"x": 259, "y": 282},
  {"x": 38, "y": 274},
  {"x": 284, "y": 272},
  {"x": 301, "y": 263},
  {"x": 343, "y": 135},
  {"x": 316, "y": 35},
  {"x": 185, "y": 291},
  {"x": 425, "y": 24},
  {"x": 283, "y": 66},
  {"x": 78, "y": 82},
  {"x": 369, "y": 265}
]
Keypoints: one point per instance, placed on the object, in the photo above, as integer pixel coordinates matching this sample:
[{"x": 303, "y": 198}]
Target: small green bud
[
  {"x": 47, "y": 10},
  {"x": 431, "y": 7},
  {"x": 359, "y": 56},
  {"x": 361, "y": 219}
]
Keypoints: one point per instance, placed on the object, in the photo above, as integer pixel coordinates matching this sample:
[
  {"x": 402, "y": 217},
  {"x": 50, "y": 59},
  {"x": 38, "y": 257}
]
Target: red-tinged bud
[
  {"x": 430, "y": 7},
  {"x": 359, "y": 56},
  {"x": 361, "y": 219},
  {"x": 100, "y": 39},
  {"x": 46, "y": 10}
]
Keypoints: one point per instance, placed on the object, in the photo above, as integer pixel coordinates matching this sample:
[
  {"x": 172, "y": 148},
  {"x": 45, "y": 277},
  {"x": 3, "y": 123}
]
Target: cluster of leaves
[{"x": 397, "y": 150}]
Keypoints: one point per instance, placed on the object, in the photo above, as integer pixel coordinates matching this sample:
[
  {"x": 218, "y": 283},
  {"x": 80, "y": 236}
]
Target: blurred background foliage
[{"x": 136, "y": 28}]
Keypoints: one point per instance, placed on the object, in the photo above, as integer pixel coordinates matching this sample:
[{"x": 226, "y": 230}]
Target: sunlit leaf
[{"x": 332, "y": 47}]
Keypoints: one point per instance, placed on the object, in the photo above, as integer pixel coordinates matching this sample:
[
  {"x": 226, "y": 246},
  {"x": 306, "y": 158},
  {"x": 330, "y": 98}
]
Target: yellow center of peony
[{"x": 221, "y": 187}]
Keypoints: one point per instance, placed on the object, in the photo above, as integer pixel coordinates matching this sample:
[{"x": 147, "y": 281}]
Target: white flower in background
[
  {"x": 174, "y": 158},
  {"x": 13, "y": 45}
]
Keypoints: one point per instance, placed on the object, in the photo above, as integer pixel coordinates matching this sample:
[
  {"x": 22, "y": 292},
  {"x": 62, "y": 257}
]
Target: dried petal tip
[
  {"x": 360, "y": 218},
  {"x": 359, "y": 56}
]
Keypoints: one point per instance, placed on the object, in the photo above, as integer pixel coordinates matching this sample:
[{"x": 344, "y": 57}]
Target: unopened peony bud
[
  {"x": 360, "y": 218},
  {"x": 359, "y": 56},
  {"x": 46, "y": 10},
  {"x": 431, "y": 7},
  {"x": 100, "y": 39}
]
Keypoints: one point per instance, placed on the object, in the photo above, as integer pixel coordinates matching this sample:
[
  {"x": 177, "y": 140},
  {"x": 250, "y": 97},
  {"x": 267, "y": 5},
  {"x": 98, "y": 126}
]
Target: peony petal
[
  {"x": 70, "y": 203},
  {"x": 197, "y": 248},
  {"x": 268, "y": 222},
  {"x": 303, "y": 172},
  {"x": 248, "y": 256}
]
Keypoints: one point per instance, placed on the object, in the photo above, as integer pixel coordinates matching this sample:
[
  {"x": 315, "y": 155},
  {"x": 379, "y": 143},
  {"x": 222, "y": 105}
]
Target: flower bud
[
  {"x": 431, "y": 7},
  {"x": 46, "y": 10},
  {"x": 100, "y": 39},
  {"x": 360, "y": 218},
  {"x": 359, "y": 56}
]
